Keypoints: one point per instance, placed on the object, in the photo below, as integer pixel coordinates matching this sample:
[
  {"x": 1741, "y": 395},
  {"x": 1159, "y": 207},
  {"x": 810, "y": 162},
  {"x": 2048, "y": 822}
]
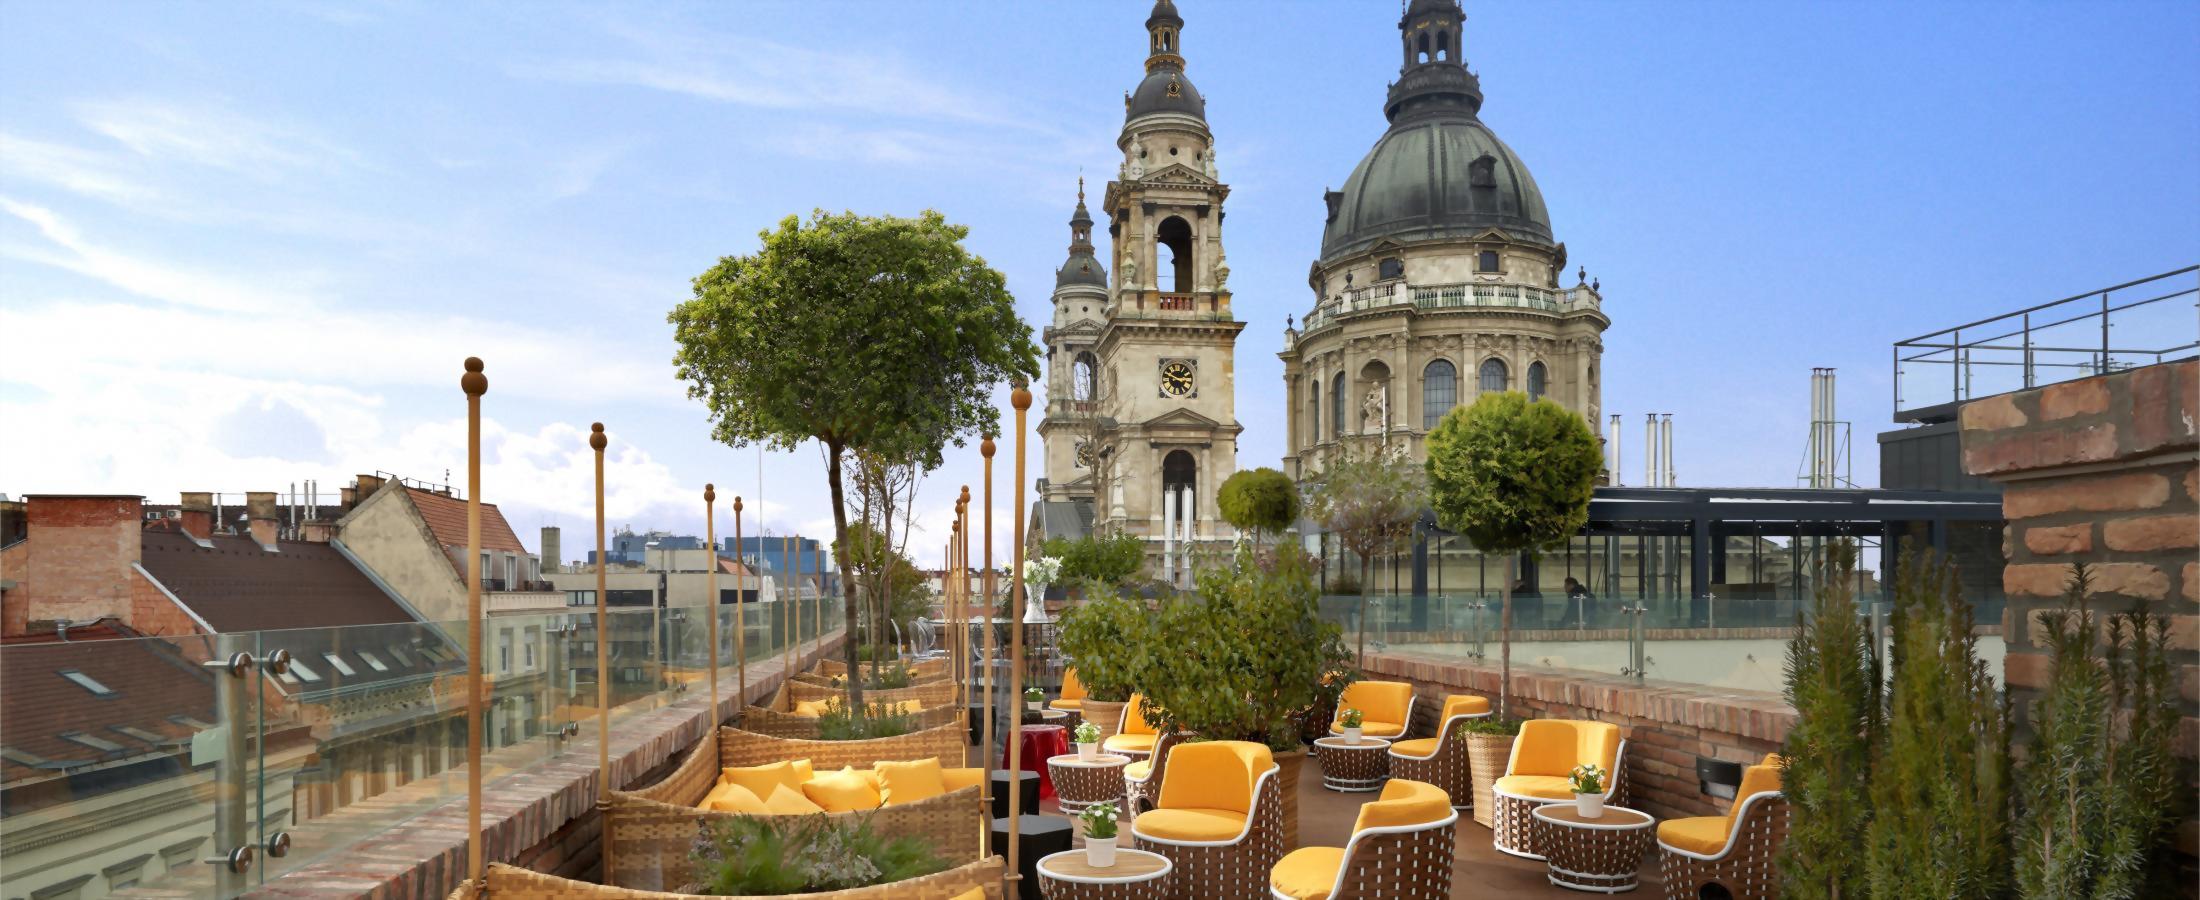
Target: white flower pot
[
  {"x": 1034, "y": 705},
  {"x": 1100, "y": 852},
  {"x": 1086, "y": 752},
  {"x": 1591, "y": 806},
  {"x": 1352, "y": 736}
]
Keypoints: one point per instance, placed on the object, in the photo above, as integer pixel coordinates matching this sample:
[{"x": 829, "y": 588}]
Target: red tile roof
[
  {"x": 236, "y": 586},
  {"x": 148, "y": 685},
  {"x": 446, "y": 517}
]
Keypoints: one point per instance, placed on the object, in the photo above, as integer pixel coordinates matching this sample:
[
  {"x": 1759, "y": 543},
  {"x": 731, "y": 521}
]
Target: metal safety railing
[{"x": 2137, "y": 323}]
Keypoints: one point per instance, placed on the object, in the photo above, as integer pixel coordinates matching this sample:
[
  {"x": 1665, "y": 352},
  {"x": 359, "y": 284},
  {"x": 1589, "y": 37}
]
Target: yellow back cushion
[
  {"x": 1134, "y": 720},
  {"x": 1755, "y": 780},
  {"x": 760, "y": 780},
  {"x": 1462, "y": 705},
  {"x": 1378, "y": 701},
  {"x": 733, "y": 798},
  {"x": 811, "y": 708},
  {"x": 1404, "y": 802},
  {"x": 957, "y": 779},
  {"x": 844, "y": 791},
  {"x": 786, "y": 801},
  {"x": 1214, "y": 775},
  {"x": 1072, "y": 689},
  {"x": 1556, "y": 746},
  {"x": 909, "y": 782}
]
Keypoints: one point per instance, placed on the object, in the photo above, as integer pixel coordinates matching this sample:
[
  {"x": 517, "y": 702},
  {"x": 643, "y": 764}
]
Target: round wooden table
[
  {"x": 1600, "y": 855},
  {"x": 1353, "y": 768},
  {"x": 1054, "y": 717},
  {"x": 1136, "y": 875},
  {"x": 1079, "y": 783}
]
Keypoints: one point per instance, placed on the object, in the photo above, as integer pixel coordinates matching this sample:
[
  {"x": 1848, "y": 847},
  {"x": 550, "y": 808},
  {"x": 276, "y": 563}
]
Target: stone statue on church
[
  {"x": 1375, "y": 410},
  {"x": 1130, "y": 271},
  {"x": 1134, "y": 166},
  {"x": 1222, "y": 271},
  {"x": 1212, "y": 174}
]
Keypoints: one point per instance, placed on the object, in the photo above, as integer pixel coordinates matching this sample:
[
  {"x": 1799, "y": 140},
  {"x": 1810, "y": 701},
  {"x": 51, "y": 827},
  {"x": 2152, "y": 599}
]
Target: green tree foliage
[
  {"x": 749, "y": 856},
  {"x": 1109, "y": 635},
  {"x": 1245, "y": 654},
  {"x": 869, "y": 334},
  {"x": 1371, "y": 502},
  {"x": 1833, "y": 683},
  {"x": 891, "y": 586},
  {"x": 1940, "y": 780},
  {"x": 1106, "y": 559},
  {"x": 1259, "y": 500},
  {"x": 2100, "y": 802},
  {"x": 1514, "y": 476}
]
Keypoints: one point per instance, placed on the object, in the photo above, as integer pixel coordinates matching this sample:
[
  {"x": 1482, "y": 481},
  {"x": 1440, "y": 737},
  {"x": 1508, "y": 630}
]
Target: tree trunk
[
  {"x": 1364, "y": 576},
  {"x": 847, "y": 585},
  {"x": 1505, "y": 644}
]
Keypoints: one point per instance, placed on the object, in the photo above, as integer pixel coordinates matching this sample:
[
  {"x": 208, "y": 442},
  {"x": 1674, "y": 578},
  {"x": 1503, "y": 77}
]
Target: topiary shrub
[
  {"x": 1259, "y": 500},
  {"x": 765, "y": 856}
]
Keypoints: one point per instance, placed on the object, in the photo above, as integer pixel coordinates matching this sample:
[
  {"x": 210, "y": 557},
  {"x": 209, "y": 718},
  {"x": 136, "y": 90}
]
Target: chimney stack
[
  {"x": 1665, "y": 448},
  {"x": 316, "y": 531},
  {"x": 552, "y": 546},
  {"x": 198, "y": 516},
  {"x": 1650, "y": 450},
  {"x": 261, "y": 519},
  {"x": 78, "y": 566},
  {"x": 1617, "y": 459}
]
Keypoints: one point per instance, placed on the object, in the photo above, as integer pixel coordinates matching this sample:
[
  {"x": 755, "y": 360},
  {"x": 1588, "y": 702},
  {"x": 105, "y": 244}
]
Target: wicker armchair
[
  {"x": 1133, "y": 737},
  {"x": 1073, "y": 693},
  {"x": 1442, "y": 760},
  {"x": 1219, "y": 820},
  {"x": 1142, "y": 777},
  {"x": 1386, "y": 708},
  {"x": 1400, "y": 849},
  {"x": 1543, "y": 757},
  {"x": 650, "y": 832},
  {"x": 502, "y": 880},
  {"x": 1735, "y": 851}
]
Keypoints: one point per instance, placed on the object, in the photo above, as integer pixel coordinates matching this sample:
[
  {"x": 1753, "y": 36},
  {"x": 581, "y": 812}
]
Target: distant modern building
[
  {"x": 780, "y": 555},
  {"x": 627, "y": 546}
]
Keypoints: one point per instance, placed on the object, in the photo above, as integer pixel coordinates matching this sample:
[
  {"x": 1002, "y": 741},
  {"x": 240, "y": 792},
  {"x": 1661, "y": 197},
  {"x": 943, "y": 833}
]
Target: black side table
[
  {"x": 1029, "y": 795},
  {"x": 1037, "y": 837}
]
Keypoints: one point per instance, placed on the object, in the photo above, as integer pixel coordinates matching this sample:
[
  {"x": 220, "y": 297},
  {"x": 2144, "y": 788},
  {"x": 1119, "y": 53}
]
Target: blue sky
[{"x": 242, "y": 246}]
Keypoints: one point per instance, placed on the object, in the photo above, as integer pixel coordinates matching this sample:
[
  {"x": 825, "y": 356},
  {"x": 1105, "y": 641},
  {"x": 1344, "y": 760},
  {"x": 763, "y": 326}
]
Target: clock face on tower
[{"x": 1177, "y": 378}]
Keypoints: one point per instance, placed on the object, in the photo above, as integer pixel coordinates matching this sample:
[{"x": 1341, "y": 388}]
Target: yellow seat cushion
[
  {"x": 957, "y": 779},
  {"x": 1068, "y": 705},
  {"x": 1404, "y": 802},
  {"x": 1543, "y": 787},
  {"x": 1140, "y": 770},
  {"x": 972, "y": 894},
  {"x": 761, "y": 779},
  {"x": 1703, "y": 834},
  {"x": 1418, "y": 747},
  {"x": 1191, "y": 824},
  {"x": 811, "y": 708},
  {"x": 909, "y": 782},
  {"x": 1373, "y": 728},
  {"x": 733, "y": 798},
  {"x": 844, "y": 791},
  {"x": 1307, "y": 873},
  {"x": 1135, "y": 743},
  {"x": 786, "y": 801}
]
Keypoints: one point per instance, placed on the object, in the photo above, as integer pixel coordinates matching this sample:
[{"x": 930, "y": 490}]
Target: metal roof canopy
[{"x": 1625, "y": 510}]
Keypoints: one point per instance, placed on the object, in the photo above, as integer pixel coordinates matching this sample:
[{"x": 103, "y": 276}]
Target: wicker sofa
[
  {"x": 649, "y": 832},
  {"x": 983, "y": 876}
]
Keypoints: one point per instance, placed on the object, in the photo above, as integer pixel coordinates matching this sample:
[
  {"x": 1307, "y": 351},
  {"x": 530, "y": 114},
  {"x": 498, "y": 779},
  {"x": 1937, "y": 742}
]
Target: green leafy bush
[
  {"x": 841, "y": 722},
  {"x": 1243, "y": 657},
  {"x": 1108, "y": 635},
  {"x": 1493, "y": 725},
  {"x": 1110, "y": 560},
  {"x": 751, "y": 856}
]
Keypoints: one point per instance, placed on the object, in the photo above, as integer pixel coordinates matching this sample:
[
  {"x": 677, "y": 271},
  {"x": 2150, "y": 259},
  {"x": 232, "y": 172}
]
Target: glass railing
[{"x": 153, "y": 762}]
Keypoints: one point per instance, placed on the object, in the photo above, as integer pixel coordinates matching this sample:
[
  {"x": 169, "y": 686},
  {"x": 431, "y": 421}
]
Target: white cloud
[
  {"x": 73, "y": 169},
  {"x": 71, "y": 250},
  {"x": 209, "y": 134}
]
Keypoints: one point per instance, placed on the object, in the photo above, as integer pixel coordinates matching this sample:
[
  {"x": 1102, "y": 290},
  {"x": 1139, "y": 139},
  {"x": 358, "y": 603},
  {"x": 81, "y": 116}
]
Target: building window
[
  {"x": 527, "y": 653},
  {"x": 1439, "y": 392},
  {"x": 1493, "y": 375},
  {"x": 88, "y": 683},
  {"x": 1535, "y": 381},
  {"x": 100, "y": 744},
  {"x": 299, "y": 672},
  {"x": 127, "y": 873},
  {"x": 398, "y": 653},
  {"x": 1486, "y": 262},
  {"x": 1390, "y": 268},
  {"x": 580, "y": 598},
  {"x": 338, "y": 663},
  {"x": 373, "y": 662},
  {"x": 1082, "y": 377},
  {"x": 1336, "y": 406},
  {"x": 504, "y": 652}
]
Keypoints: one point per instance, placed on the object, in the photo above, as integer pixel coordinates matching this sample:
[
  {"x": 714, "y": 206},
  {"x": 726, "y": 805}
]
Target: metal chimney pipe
[
  {"x": 1665, "y": 446},
  {"x": 1817, "y": 399},
  {"x": 1650, "y": 450},
  {"x": 1617, "y": 459},
  {"x": 1833, "y": 449}
]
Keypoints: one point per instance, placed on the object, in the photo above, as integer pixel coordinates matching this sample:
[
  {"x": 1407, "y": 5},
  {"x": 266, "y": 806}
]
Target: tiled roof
[
  {"x": 447, "y": 519},
  {"x": 134, "y": 698},
  {"x": 236, "y": 586}
]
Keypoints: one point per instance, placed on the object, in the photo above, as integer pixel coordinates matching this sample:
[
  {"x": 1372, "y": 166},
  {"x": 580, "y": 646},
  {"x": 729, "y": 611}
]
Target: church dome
[
  {"x": 1082, "y": 267},
  {"x": 1438, "y": 173},
  {"x": 1165, "y": 90}
]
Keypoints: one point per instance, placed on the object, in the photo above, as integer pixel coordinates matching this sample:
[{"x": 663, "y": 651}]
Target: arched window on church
[
  {"x": 1443, "y": 45},
  {"x": 1179, "y": 474},
  {"x": 1314, "y": 415},
  {"x": 1420, "y": 50},
  {"x": 1536, "y": 376},
  {"x": 1084, "y": 377},
  {"x": 1439, "y": 392},
  {"x": 1493, "y": 375},
  {"x": 1336, "y": 406},
  {"x": 1173, "y": 274}
]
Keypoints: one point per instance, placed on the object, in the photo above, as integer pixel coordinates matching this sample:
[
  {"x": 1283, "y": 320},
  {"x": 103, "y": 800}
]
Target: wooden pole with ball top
[
  {"x": 1021, "y": 399},
  {"x": 597, "y": 442},
  {"x": 740, "y": 620},
  {"x": 710, "y": 606},
  {"x": 474, "y": 384},
  {"x": 985, "y": 755}
]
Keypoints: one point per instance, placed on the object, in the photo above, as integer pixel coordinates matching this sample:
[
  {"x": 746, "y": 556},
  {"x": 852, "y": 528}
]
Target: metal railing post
[
  {"x": 233, "y": 772},
  {"x": 2028, "y": 351}
]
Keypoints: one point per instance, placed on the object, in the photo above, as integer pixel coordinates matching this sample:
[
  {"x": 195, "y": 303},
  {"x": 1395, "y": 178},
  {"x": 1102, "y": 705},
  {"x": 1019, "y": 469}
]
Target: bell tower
[
  {"x": 1070, "y": 427},
  {"x": 1166, "y": 349}
]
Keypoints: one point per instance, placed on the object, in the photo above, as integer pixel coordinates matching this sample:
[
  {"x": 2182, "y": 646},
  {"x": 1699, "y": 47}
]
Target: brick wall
[
  {"x": 1666, "y": 725},
  {"x": 2101, "y": 470},
  {"x": 79, "y": 558}
]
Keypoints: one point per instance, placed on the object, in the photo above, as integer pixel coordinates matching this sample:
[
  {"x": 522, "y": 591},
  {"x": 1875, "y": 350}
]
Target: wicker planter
[
  {"x": 1287, "y": 781},
  {"x": 1487, "y": 756},
  {"x": 1107, "y": 715},
  {"x": 512, "y": 881}
]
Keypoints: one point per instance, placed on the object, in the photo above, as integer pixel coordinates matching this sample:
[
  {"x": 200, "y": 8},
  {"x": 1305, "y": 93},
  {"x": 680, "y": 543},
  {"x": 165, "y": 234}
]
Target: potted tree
[
  {"x": 1086, "y": 738},
  {"x": 1514, "y": 475},
  {"x": 1587, "y": 781},
  {"x": 1259, "y": 501},
  {"x": 1372, "y": 503},
  {"x": 1106, "y": 635},
  {"x": 1244, "y": 657},
  {"x": 1099, "y": 822}
]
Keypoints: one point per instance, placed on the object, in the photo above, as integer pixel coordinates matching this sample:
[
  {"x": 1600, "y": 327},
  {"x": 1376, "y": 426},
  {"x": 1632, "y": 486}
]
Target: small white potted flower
[
  {"x": 1350, "y": 720},
  {"x": 1099, "y": 822},
  {"x": 1086, "y": 737},
  {"x": 1588, "y": 782},
  {"x": 1034, "y": 698}
]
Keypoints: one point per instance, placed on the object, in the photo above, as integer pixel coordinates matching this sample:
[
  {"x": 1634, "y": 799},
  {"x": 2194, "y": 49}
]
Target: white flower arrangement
[
  {"x": 1099, "y": 820},
  {"x": 1587, "y": 778},
  {"x": 1040, "y": 571}
]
